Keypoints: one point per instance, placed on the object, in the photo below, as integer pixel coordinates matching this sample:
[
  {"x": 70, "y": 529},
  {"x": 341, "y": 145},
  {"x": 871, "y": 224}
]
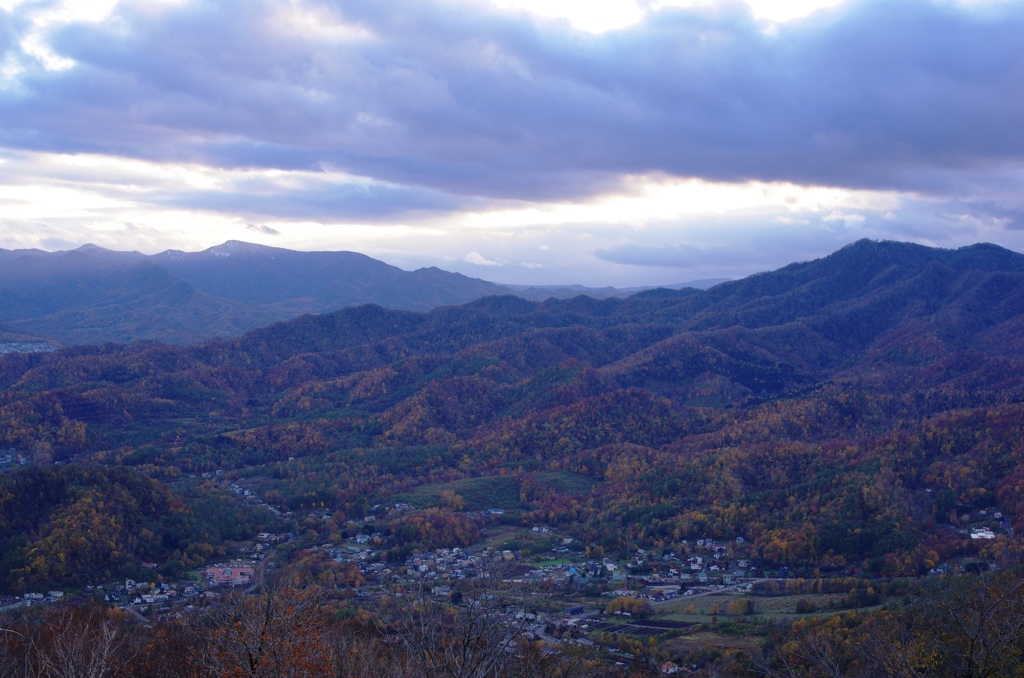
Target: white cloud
[
  {"x": 39, "y": 20},
  {"x": 262, "y": 229},
  {"x": 654, "y": 230},
  {"x": 836, "y": 215},
  {"x": 599, "y": 16},
  {"x": 418, "y": 130},
  {"x": 479, "y": 260},
  {"x": 587, "y": 15},
  {"x": 645, "y": 199}
]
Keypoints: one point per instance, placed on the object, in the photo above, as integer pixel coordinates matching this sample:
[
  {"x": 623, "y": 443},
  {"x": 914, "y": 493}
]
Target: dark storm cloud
[
  {"x": 311, "y": 199},
  {"x": 461, "y": 100}
]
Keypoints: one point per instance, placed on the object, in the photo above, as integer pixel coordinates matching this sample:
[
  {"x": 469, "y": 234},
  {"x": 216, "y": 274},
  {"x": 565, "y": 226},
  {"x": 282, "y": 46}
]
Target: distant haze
[
  {"x": 624, "y": 142},
  {"x": 96, "y": 295}
]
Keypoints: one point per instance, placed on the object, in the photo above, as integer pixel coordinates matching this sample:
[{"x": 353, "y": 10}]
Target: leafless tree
[
  {"x": 973, "y": 629},
  {"x": 811, "y": 651},
  {"x": 13, "y": 653},
  {"x": 478, "y": 631},
  {"x": 275, "y": 630},
  {"x": 74, "y": 643},
  {"x": 359, "y": 651}
]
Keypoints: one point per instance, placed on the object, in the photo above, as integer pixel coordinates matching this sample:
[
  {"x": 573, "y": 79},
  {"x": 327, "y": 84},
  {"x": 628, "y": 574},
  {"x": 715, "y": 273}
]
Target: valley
[{"x": 831, "y": 439}]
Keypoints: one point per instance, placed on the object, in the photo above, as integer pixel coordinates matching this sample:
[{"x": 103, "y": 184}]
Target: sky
[{"x": 602, "y": 142}]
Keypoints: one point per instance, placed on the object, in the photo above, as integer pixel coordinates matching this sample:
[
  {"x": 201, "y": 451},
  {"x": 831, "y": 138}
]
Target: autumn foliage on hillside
[
  {"x": 850, "y": 413},
  {"x": 77, "y": 525},
  {"x": 966, "y": 625}
]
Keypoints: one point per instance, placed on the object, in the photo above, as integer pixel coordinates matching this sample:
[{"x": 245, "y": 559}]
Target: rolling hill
[
  {"x": 818, "y": 411},
  {"x": 95, "y": 295}
]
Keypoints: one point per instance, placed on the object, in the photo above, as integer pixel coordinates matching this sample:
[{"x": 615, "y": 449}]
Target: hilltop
[
  {"x": 836, "y": 414},
  {"x": 93, "y": 295}
]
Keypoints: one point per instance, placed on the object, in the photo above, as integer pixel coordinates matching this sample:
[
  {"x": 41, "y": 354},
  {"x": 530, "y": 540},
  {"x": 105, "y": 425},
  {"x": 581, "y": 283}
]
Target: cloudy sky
[{"x": 619, "y": 142}]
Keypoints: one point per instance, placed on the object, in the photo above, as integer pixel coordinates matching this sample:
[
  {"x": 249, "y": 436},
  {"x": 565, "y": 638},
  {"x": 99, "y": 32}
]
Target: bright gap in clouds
[
  {"x": 605, "y": 15},
  {"x": 56, "y": 201},
  {"x": 655, "y": 230},
  {"x": 649, "y": 199},
  {"x": 594, "y": 17},
  {"x": 769, "y": 10},
  {"x": 44, "y": 16}
]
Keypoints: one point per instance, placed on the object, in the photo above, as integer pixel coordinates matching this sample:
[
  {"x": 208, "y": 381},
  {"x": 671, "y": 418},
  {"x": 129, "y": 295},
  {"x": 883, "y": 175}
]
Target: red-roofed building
[{"x": 229, "y": 575}]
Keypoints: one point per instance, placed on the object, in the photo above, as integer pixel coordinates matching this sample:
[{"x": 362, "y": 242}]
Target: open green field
[
  {"x": 702, "y": 639},
  {"x": 715, "y": 607},
  {"x": 555, "y": 562},
  {"x": 495, "y": 535},
  {"x": 478, "y": 494},
  {"x": 500, "y": 492}
]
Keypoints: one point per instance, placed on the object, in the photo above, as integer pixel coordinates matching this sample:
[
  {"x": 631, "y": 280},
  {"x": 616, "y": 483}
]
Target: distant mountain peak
[
  {"x": 240, "y": 247},
  {"x": 980, "y": 256},
  {"x": 95, "y": 250}
]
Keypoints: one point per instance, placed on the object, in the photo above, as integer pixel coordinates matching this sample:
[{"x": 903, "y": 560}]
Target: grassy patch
[
  {"x": 701, "y": 639},
  {"x": 478, "y": 493},
  {"x": 715, "y": 607},
  {"x": 556, "y": 562},
  {"x": 496, "y": 535},
  {"x": 498, "y": 491}
]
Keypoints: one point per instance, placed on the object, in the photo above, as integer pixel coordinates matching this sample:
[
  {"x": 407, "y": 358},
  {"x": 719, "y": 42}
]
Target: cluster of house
[
  {"x": 256, "y": 552},
  {"x": 129, "y": 593},
  {"x": 707, "y": 560},
  {"x": 26, "y": 347},
  {"x": 145, "y": 593},
  {"x": 453, "y": 563},
  {"x": 9, "y": 459},
  {"x": 48, "y": 597},
  {"x": 252, "y": 497},
  {"x": 270, "y": 538},
  {"x": 357, "y": 552},
  {"x": 988, "y": 520},
  {"x": 670, "y": 577},
  {"x": 577, "y": 574}
]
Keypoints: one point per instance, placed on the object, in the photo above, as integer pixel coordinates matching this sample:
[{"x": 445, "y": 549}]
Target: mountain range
[
  {"x": 95, "y": 295},
  {"x": 857, "y": 413},
  {"x": 889, "y": 317},
  {"x": 843, "y": 435}
]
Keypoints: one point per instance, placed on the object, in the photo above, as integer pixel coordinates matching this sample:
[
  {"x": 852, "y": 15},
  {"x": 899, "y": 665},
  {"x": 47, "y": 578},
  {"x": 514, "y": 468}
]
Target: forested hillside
[
  {"x": 92, "y": 295},
  {"x": 78, "y": 525},
  {"x": 850, "y": 413}
]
